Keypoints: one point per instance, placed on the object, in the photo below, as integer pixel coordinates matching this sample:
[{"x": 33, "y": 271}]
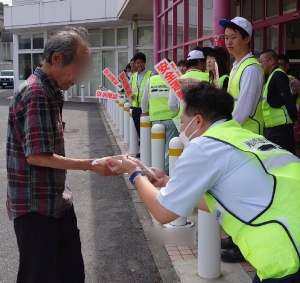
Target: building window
[
  {"x": 24, "y": 42},
  {"x": 179, "y": 23},
  {"x": 95, "y": 36},
  {"x": 37, "y": 60},
  {"x": 192, "y": 20},
  {"x": 38, "y": 41},
  {"x": 145, "y": 36},
  {"x": 109, "y": 37},
  {"x": 271, "y": 8},
  {"x": 246, "y": 9},
  {"x": 122, "y": 61},
  {"x": 272, "y": 37},
  {"x": 24, "y": 66},
  {"x": 257, "y": 10},
  {"x": 258, "y": 44},
  {"x": 207, "y": 17},
  {"x": 122, "y": 36},
  {"x": 289, "y": 6}
]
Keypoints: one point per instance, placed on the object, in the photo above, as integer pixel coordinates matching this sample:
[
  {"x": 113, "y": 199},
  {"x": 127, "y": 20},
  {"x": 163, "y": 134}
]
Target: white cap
[
  {"x": 195, "y": 54},
  {"x": 240, "y": 22}
]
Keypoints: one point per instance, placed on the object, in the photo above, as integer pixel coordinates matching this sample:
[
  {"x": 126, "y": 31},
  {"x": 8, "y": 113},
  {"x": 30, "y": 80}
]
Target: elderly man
[
  {"x": 251, "y": 187},
  {"x": 38, "y": 200}
]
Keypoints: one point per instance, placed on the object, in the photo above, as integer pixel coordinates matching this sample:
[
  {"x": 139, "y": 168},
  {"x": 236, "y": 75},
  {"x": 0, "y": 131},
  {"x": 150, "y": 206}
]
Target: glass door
[
  {"x": 108, "y": 61},
  {"x": 96, "y": 73}
]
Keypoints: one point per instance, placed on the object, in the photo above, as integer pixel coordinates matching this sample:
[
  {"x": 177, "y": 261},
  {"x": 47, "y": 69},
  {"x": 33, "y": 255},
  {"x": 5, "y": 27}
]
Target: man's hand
[
  {"x": 162, "y": 178},
  {"x": 122, "y": 164},
  {"x": 103, "y": 169},
  {"x": 144, "y": 114}
]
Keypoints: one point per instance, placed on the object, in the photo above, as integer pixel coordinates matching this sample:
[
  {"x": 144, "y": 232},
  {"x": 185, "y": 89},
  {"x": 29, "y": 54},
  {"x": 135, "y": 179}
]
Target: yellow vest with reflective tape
[
  {"x": 139, "y": 90},
  {"x": 274, "y": 116},
  {"x": 254, "y": 123},
  {"x": 222, "y": 79},
  {"x": 158, "y": 100},
  {"x": 192, "y": 74},
  {"x": 271, "y": 240}
]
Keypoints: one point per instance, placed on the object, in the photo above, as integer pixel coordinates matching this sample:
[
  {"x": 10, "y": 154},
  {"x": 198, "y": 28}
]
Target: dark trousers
[
  {"x": 50, "y": 249},
  {"x": 283, "y": 136},
  {"x": 136, "y": 116},
  {"x": 289, "y": 279}
]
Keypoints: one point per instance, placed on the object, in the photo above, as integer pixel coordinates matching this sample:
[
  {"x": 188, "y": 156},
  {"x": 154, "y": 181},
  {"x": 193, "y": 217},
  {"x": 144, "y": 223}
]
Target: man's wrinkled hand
[
  {"x": 161, "y": 180},
  {"x": 103, "y": 169}
]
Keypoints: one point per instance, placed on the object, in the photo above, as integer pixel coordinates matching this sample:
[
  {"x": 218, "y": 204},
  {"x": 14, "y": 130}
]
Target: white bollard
[
  {"x": 82, "y": 93},
  {"x": 145, "y": 139},
  {"x": 121, "y": 117},
  {"x": 133, "y": 137},
  {"x": 117, "y": 114},
  {"x": 66, "y": 95},
  {"x": 126, "y": 122},
  {"x": 109, "y": 101},
  {"x": 209, "y": 246},
  {"x": 158, "y": 135},
  {"x": 113, "y": 108}
]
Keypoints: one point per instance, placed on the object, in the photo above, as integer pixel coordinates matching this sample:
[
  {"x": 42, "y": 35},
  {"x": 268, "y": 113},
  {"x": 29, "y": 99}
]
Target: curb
[{"x": 159, "y": 253}]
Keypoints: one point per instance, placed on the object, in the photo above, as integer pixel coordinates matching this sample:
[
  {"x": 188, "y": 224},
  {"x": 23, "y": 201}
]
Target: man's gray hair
[{"x": 66, "y": 42}]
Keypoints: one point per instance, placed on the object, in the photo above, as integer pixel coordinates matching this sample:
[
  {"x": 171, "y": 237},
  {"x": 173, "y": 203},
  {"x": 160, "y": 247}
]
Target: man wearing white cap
[
  {"x": 196, "y": 67},
  {"x": 245, "y": 85}
]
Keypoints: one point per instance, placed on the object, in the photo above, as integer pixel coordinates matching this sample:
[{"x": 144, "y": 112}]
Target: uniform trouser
[
  {"x": 50, "y": 249},
  {"x": 136, "y": 116},
  {"x": 289, "y": 279},
  {"x": 171, "y": 132},
  {"x": 283, "y": 136}
]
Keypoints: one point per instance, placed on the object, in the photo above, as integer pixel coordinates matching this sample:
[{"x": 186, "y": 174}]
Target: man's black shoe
[
  {"x": 232, "y": 256},
  {"x": 138, "y": 155},
  {"x": 227, "y": 244}
]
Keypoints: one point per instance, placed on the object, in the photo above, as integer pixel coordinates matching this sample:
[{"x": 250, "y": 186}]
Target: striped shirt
[{"x": 35, "y": 126}]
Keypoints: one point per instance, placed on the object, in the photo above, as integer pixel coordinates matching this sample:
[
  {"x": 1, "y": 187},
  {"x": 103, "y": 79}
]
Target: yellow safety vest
[
  {"x": 254, "y": 123},
  {"x": 192, "y": 74},
  {"x": 158, "y": 100},
  {"x": 271, "y": 240},
  {"x": 222, "y": 79},
  {"x": 274, "y": 116},
  {"x": 139, "y": 90}
]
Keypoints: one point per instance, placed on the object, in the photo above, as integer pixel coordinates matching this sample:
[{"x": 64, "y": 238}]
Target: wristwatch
[{"x": 134, "y": 175}]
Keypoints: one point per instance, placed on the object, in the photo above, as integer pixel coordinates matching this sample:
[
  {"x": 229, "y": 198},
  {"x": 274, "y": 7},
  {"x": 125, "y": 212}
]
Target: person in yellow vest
[
  {"x": 246, "y": 81},
  {"x": 252, "y": 185},
  {"x": 246, "y": 77},
  {"x": 217, "y": 55},
  {"x": 279, "y": 108},
  {"x": 196, "y": 69},
  {"x": 284, "y": 64},
  {"x": 155, "y": 105},
  {"x": 137, "y": 83}
]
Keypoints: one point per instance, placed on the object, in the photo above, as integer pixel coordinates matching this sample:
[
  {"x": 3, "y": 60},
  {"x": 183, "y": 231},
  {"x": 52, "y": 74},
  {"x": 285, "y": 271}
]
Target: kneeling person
[{"x": 245, "y": 186}]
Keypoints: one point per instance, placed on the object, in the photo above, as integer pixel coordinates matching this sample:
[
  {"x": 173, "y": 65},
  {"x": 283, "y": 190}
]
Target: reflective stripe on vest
[
  {"x": 274, "y": 116},
  {"x": 270, "y": 241},
  {"x": 158, "y": 100},
  {"x": 139, "y": 90},
  {"x": 256, "y": 122}
]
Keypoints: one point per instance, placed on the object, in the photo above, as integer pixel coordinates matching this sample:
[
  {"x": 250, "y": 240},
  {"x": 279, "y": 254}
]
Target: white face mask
[{"x": 184, "y": 139}]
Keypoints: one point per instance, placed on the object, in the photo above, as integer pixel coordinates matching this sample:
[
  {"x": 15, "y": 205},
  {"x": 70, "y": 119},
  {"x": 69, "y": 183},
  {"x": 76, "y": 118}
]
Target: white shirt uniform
[
  {"x": 233, "y": 177},
  {"x": 252, "y": 82}
]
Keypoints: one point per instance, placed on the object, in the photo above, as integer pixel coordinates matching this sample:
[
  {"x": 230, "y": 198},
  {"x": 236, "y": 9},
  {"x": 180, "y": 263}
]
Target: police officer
[{"x": 155, "y": 104}]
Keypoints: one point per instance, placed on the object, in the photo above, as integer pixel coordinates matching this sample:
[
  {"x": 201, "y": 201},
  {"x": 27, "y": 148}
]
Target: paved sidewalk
[{"x": 183, "y": 255}]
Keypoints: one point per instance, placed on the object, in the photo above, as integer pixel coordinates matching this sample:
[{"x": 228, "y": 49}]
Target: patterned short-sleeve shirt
[{"x": 35, "y": 126}]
